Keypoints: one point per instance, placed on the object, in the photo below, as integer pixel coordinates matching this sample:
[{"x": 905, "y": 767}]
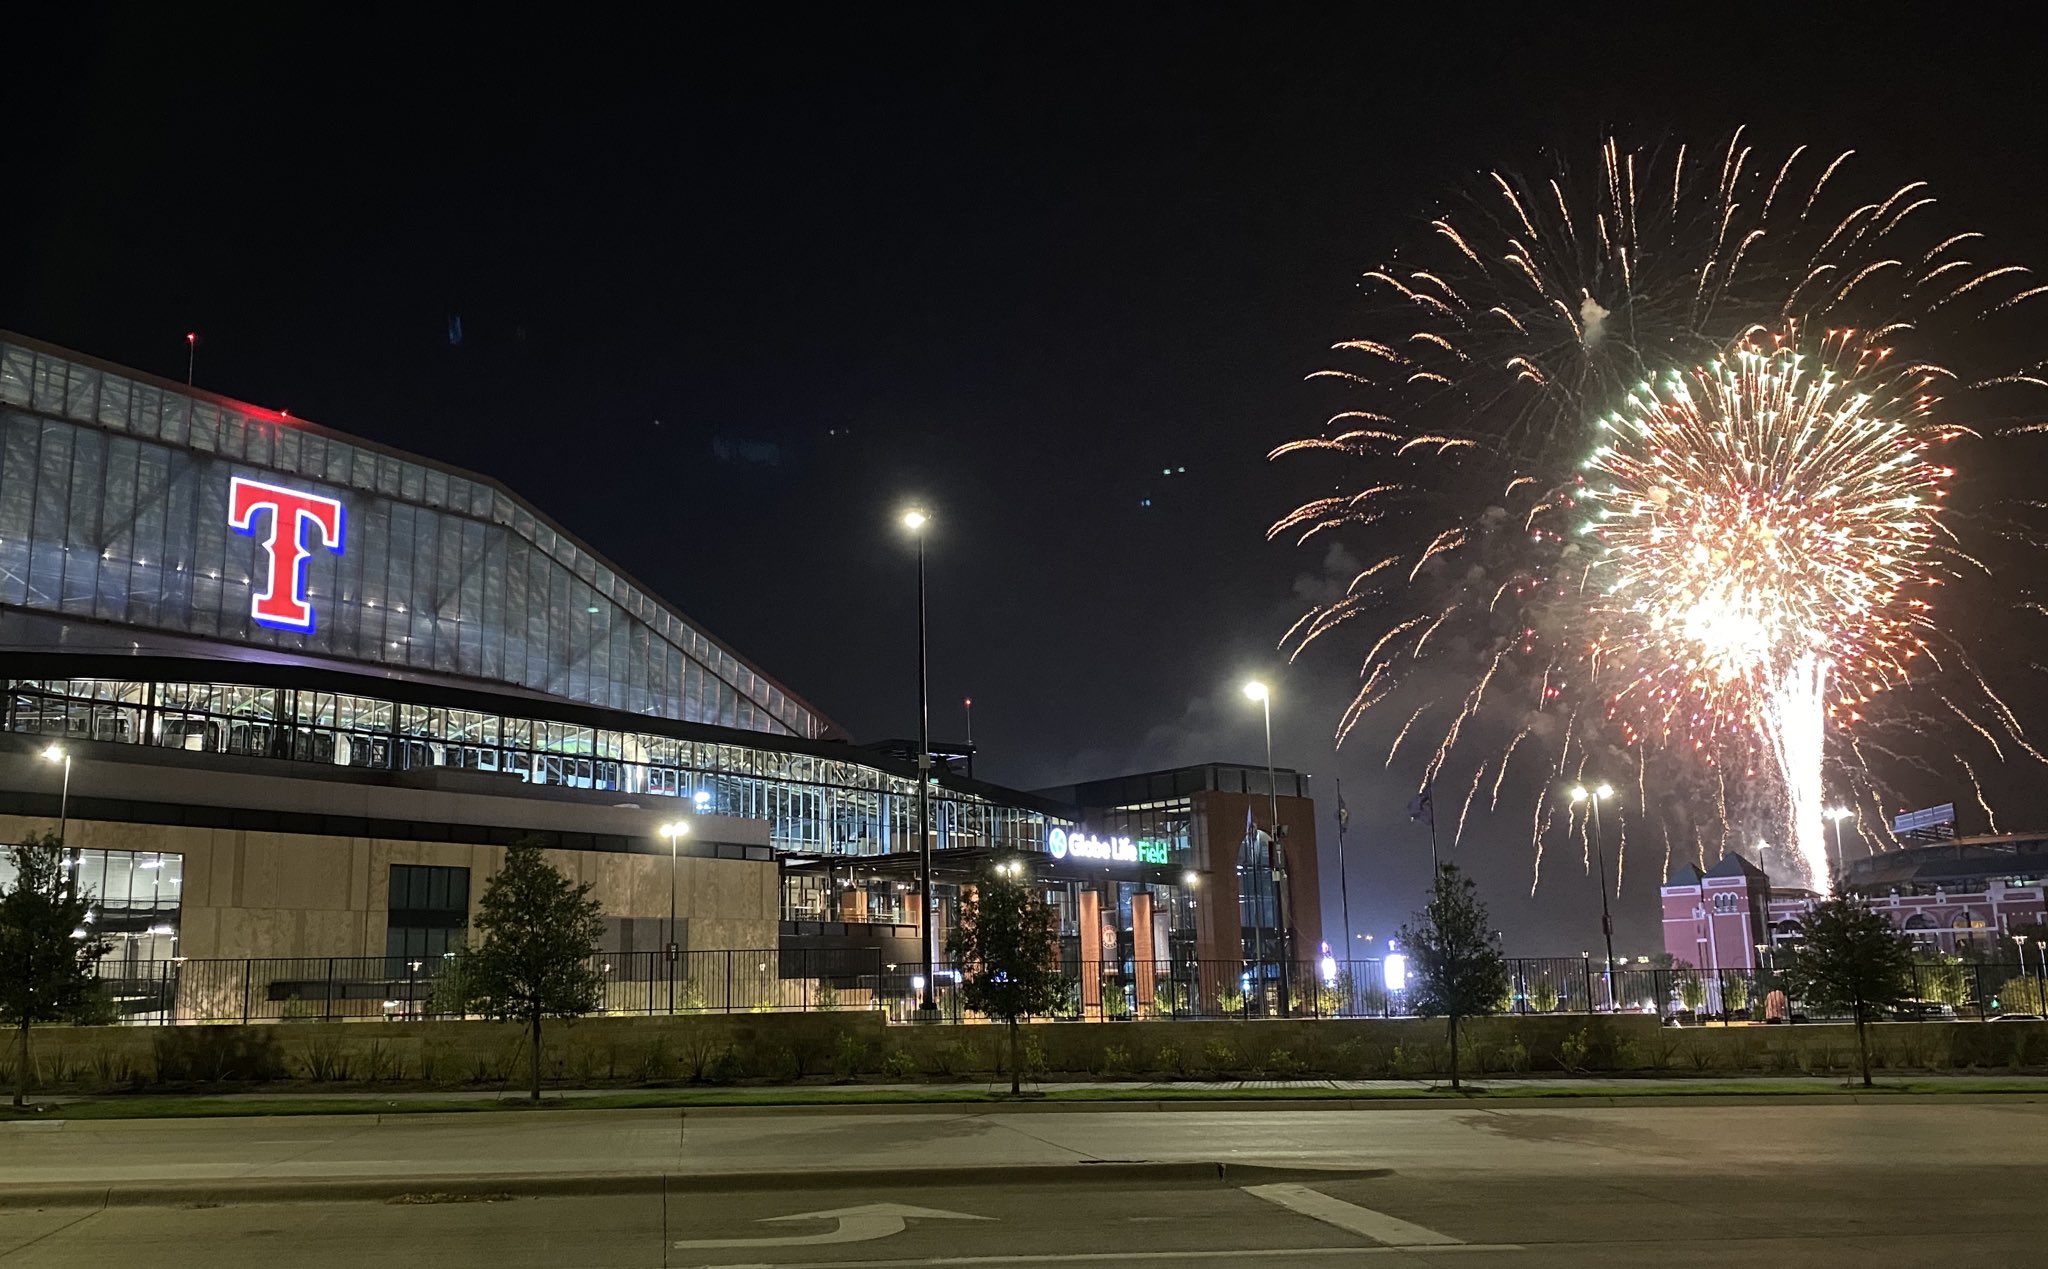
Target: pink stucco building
[{"x": 1948, "y": 897}]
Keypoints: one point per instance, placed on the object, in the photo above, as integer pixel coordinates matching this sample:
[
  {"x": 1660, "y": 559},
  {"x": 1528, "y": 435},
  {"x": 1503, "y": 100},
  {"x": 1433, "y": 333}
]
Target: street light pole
[
  {"x": 1276, "y": 858},
  {"x": 1838, "y": 814},
  {"x": 1579, "y": 794},
  {"x": 58, "y": 753},
  {"x": 927, "y": 1007},
  {"x": 672, "y": 830}
]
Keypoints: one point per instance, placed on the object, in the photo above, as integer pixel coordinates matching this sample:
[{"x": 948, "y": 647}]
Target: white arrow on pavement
[{"x": 855, "y": 1225}]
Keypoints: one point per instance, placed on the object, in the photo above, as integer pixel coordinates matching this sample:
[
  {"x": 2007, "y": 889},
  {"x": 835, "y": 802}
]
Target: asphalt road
[{"x": 1891, "y": 1184}]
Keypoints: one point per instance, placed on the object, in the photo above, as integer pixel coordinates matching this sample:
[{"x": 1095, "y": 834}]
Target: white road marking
[
  {"x": 854, "y": 1225},
  {"x": 1117, "y": 1257},
  {"x": 1378, "y": 1226}
]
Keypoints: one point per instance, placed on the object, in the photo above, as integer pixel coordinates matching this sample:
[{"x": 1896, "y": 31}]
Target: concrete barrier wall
[{"x": 846, "y": 1045}]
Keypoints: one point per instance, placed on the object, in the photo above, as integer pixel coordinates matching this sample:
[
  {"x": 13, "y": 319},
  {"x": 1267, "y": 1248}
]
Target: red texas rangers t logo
[{"x": 280, "y": 598}]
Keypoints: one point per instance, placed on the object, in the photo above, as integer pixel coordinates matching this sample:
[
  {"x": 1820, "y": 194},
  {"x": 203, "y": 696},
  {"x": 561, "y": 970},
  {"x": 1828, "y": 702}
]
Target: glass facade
[
  {"x": 813, "y": 804},
  {"x": 137, "y": 897},
  {"x": 114, "y": 507}
]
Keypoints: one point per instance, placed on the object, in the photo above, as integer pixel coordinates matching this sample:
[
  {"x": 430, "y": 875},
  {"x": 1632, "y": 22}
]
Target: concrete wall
[
  {"x": 782, "y": 1047},
  {"x": 250, "y": 893}
]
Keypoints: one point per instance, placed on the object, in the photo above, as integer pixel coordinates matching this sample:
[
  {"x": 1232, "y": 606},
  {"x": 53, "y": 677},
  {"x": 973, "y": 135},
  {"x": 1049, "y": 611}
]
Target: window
[
  {"x": 1725, "y": 904},
  {"x": 428, "y": 909}
]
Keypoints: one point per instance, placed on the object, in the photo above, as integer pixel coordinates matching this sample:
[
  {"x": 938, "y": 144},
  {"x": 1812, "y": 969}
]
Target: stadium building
[
  {"x": 288, "y": 695},
  {"x": 1958, "y": 896}
]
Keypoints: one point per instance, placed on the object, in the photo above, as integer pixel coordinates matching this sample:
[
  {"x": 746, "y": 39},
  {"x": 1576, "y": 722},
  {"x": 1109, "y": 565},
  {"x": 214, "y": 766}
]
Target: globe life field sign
[{"x": 1076, "y": 844}]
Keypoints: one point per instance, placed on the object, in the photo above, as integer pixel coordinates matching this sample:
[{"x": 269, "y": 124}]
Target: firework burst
[{"x": 1654, "y": 451}]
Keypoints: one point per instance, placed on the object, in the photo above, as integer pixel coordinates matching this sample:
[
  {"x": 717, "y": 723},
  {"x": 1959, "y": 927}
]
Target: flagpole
[
  {"x": 1343, "y": 883},
  {"x": 1424, "y": 808}
]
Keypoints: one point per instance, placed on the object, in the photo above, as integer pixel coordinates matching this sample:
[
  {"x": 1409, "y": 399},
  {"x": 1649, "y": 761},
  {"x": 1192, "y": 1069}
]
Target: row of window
[{"x": 812, "y": 804}]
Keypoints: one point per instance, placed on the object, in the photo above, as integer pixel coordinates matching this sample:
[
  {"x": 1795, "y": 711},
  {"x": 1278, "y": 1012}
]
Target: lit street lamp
[
  {"x": 915, "y": 520},
  {"x": 672, "y": 830},
  {"x": 1838, "y": 814},
  {"x": 58, "y": 753},
  {"x": 1276, "y": 859},
  {"x": 1598, "y": 795}
]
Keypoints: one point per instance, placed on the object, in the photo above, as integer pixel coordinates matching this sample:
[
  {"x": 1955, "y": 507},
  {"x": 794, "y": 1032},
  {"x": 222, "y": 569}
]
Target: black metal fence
[
  {"x": 294, "y": 989},
  {"x": 289, "y": 989}
]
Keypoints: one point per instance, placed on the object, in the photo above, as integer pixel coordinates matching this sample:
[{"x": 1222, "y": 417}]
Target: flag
[
  {"x": 1423, "y": 808},
  {"x": 1343, "y": 815},
  {"x": 1251, "y": 829}
]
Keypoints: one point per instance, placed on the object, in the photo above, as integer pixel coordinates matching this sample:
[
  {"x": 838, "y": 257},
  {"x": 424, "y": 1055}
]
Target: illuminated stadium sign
[
  {"x": 281, "y": 599},
  {"x": 1120, "y": 850}
]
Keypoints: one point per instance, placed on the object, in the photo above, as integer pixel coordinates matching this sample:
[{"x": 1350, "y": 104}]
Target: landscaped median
[{"x": 783, "y": 1056}]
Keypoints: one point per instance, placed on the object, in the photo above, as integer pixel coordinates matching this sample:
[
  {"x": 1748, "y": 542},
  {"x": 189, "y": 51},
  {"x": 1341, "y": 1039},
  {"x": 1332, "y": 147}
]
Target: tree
[
  {"x": 1007, "y": 947},
  {"x": 1457, "y": 967},
  {"x": 534, "y": 958},
  {"x": 46, "y": 958},
  {"x": 1850, "y": 958}
]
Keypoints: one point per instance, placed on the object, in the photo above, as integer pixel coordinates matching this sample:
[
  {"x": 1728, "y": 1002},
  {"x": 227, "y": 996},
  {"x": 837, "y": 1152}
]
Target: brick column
[
  {"x": 1142, "y": 963},
  {"x": 1090, "y": 968}
]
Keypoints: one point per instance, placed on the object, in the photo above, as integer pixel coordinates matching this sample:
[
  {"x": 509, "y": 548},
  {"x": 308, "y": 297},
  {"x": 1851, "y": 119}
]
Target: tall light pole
[
  {"x": 673, "y": 830},
  {"x": 1276, "y": 858},
  {"x": 58, "y": 753},
  {"x": 1601, "y": 793},
  {"x": 915, "y": 521},
  {"x": 1838, "y": 814}
]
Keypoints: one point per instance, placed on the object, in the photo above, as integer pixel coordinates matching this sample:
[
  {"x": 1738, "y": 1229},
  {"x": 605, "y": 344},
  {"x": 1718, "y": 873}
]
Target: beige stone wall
[{"x": 249, "y": 893}]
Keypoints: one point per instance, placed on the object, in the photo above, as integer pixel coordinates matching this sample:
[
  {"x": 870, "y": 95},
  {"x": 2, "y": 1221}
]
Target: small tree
[
  {"x": 1458, "y": 969},
  {"x": 1007, "y": 947},
  {"x": 538, "y": 935},
  {"x": 1850, "y": 958},
  {"x": 46, "y": 959}
]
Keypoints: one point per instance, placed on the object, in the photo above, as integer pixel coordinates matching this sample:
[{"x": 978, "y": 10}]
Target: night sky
[{"x": 722, "y": 295}]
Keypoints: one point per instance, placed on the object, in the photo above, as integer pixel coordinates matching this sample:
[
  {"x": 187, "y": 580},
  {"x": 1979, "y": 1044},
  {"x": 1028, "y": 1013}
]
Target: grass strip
[{"x": 145, "y": 1106}]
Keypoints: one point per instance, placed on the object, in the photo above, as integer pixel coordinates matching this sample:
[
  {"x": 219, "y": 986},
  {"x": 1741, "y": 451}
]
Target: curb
[{"x": 473, "y": 1188}]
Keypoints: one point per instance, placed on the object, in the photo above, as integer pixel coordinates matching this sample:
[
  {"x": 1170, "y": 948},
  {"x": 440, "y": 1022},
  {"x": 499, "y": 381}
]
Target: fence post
[
  {"x": 728, "y": 980},
  {"x": 248, "y": 970},
  {"x": 1586, "y": 966},
  {"x": 329, "y": 1010}
]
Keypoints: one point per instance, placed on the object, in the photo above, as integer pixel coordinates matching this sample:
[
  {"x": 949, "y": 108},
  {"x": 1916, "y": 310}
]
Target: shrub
[
  {"x": 1115, "y": 1060},
  {"x": 1543, "y": 995},
  {"x": 1230, "y": 1001},
  {"x": 381, "y": 1063},
  {"x": 701, "y": 1051},
  {"x": 851, "y": 1057},
  {"x": 1169, "y": 1059},
  {"x": 1220, "y": 1055},
  {"x": 730, "y": 1068},
  {"x": 1572, "y": 1050},
  {"x": 324, "y": 1062},
  {"x": 1033, "y": 1057},
  {"x": 826, "y": 998},
  {"x": 1283, "y": 1064},
  {"x": 949, "y": 1058},
  {"x": 899, "y": 1065}
]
